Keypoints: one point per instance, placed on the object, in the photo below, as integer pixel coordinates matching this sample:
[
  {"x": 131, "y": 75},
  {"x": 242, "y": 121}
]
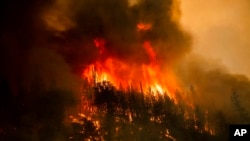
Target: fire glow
[{"x": 143, "y": 27}]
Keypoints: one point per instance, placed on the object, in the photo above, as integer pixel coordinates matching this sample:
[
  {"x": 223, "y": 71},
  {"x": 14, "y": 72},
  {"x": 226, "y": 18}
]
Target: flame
[
  {"x": 159, "y": 88},
  {"x": 99, "y": 43},
  {"x": 143, "y": 27},
  {"x": 148, "y": 77},
  {"x": 145, "y": 77},
  {"x": 150, "y": 51}
]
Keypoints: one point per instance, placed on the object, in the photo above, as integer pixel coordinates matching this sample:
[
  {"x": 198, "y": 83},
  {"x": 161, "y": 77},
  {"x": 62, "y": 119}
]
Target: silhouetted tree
[
  {"x": 242, "y": 112},
  {"x": 131, "y": 115}
]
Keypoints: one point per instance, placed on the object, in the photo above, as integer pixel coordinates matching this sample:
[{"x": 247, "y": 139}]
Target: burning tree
[
  {"x": 132, "y": 100},
  {"x": 133, "y": 115}
]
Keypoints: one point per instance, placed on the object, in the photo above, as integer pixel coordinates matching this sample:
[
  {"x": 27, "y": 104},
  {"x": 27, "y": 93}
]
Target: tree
[
  {"x": 131, "y": 115},
  {"x": 242, "y": 112}
]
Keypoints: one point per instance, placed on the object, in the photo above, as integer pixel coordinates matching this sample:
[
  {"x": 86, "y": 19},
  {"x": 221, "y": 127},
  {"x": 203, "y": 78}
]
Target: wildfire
[{"x": 145, "y": 77}]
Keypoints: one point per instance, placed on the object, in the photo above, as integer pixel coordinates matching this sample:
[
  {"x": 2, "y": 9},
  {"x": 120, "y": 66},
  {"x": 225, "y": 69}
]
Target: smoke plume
[
  {"x": 209, "y": 84},
  {"x": 80, "y": 22},
  {"x": 220, "y": 33}
]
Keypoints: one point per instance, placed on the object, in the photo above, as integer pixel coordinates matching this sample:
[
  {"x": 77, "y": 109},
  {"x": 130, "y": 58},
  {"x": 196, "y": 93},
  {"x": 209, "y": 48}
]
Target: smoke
[
  {"x": 26, "y": 53},
  {"x": 80, "y": 22},
  {"x": 37, "y": 85},
  {"x": 220, "y": 31},
  {"x": 210, "y": 85},
  {"x": 51, "y": 70}
]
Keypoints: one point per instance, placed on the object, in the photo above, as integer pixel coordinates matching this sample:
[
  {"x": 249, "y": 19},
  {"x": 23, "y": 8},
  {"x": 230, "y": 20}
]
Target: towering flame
[{"x": 147, "y": 77}]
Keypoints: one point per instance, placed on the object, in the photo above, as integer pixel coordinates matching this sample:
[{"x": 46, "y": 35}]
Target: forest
[{"x": 107, "y": 113}]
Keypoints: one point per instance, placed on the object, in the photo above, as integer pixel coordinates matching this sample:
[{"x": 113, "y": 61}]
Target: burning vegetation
[
  {"x": 145, "y": 76},
  {"x": 118, "y": 114},
  {"x": 109, "y": 70}
]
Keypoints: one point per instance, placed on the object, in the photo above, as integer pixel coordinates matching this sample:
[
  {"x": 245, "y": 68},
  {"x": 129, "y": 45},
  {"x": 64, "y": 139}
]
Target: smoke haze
[
  {"x": 217, "y": 65},
  {"x": 220, "y": 30}
]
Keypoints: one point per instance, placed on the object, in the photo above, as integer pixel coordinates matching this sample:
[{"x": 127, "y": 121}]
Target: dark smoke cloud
[
  {"x": 36, "y": 83},
  {"x": 26, "y": 42},
  {"x": 116, "y": 22},
  {"x": 50, "y": 69}
]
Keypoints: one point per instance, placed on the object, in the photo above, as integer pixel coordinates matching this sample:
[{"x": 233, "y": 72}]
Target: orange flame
[
  {"x": 150, "y": 51},
  {"x": 100, "y": 44},
  {"x": 144, "y": 77},
  {"x": 144, "y": 27}
]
